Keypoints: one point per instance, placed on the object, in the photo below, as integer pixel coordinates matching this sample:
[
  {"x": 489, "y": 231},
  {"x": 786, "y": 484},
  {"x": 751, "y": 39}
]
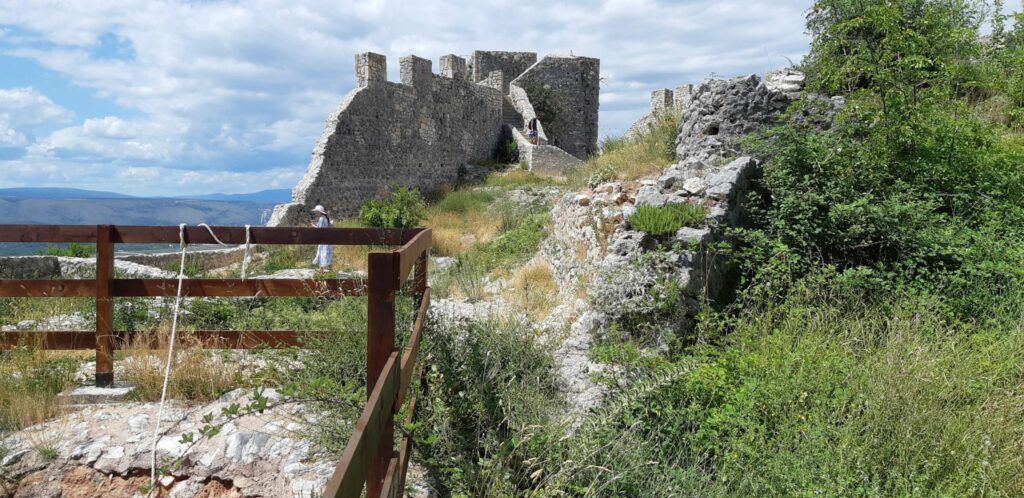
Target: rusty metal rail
[{"x": 370, "y": 458}]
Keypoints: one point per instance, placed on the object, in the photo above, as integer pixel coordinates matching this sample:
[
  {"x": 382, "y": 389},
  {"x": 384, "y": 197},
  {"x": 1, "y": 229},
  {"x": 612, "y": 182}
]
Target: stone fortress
[{"x": 422, "y": 132}]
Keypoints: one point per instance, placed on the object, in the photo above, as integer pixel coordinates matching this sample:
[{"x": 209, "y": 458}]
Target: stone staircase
[{"x": 509, "y": 114}]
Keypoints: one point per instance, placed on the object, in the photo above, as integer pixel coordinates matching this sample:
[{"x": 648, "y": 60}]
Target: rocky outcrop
[
  {"x": 105, "y": 450},
  {"x": 719, "y": 113}
]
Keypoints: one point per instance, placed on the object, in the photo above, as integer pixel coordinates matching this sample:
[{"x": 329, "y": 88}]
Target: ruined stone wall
[
  {"x": 511, "y": 65},
  {"x": 567, "y": 87},
  {"x": 416, "y": 134}
]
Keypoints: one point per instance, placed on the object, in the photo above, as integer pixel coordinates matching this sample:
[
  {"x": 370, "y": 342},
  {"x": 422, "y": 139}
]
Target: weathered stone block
[
  {"x": 416, "y": 72},
  {"x": 371, "y": 68},
  {"x": 453, "y": 66},
  {"x": 661, "y": 100}
]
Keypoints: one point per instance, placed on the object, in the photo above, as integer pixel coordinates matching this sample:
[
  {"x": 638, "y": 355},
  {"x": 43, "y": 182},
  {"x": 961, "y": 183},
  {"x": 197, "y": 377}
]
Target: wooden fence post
[
  {"x": 380, "y": 343},
  {"x": 104, "y": 306}
]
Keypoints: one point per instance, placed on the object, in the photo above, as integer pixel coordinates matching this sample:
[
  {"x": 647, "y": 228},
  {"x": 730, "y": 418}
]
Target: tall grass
[
  {"x": 821, "y": 395},
  {"x": 624, "y": 160},
  {"x": 30, "y": 380}
]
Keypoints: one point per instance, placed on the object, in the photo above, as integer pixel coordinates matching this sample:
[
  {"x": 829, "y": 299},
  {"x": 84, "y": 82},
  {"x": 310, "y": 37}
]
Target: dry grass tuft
[
  {"x": 624, "y": 160},
  {"x": 197, "y": 374},
  {"x": 455, "y": 233},
  {"x": 533, "y": 289}
]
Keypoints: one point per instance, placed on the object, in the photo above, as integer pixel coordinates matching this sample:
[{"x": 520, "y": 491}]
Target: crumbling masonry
[{"x": 421, "y": 133}]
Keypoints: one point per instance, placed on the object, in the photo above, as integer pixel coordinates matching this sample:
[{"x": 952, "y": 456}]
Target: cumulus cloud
[{"x": 216, "y": 84}]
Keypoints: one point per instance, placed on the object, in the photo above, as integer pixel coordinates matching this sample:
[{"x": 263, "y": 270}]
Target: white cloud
[
  {"x": 115, "y": 139},
  {"x": 25, "y": 107},
  {"x": 216, "y": 82}
]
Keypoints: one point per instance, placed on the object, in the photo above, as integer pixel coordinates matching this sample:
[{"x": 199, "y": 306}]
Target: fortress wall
[
  {"x": 570, "y": 85},
  {"x": 417, "y": 134},
  {"x": 511, "y": 65}
]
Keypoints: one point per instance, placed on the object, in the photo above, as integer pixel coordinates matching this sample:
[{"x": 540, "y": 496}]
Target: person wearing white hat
[{"x": 324, "y": 252}]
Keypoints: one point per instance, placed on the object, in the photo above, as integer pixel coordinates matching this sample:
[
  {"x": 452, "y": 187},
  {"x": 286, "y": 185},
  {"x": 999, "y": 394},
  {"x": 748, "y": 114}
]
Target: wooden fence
[{"x": 370, "y": 457}]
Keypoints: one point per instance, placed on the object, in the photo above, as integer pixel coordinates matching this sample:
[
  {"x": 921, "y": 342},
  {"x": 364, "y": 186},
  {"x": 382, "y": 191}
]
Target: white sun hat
[{"x": 319, "y": 209}]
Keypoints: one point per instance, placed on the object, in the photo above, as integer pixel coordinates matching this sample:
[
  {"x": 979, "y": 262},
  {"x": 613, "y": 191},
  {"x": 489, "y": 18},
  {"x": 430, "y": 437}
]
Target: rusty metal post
[
  {"x": 104, "y": 306},
  {"x": 380, "y": 343}
]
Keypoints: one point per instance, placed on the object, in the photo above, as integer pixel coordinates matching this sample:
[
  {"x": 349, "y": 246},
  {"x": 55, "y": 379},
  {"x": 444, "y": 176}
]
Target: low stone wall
[
  {"x": 47, "y": 267},
  {"x": 209, "y": 259},
  {"x": 29, "y": 267},
  {"x": 543, "y": 158},
  {"x": 415, "y": 134}
]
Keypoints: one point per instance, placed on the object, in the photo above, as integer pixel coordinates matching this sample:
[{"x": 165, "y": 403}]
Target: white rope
[
  {"x": 245, "y": 257},
  {"x": 170, "y": 355},
  {"x": 174, "y": 332},
  {"x": 208, "y": 229}
]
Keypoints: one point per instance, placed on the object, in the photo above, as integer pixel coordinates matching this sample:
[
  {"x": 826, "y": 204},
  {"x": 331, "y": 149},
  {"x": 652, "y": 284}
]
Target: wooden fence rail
[{"x": 370, "y": 458}]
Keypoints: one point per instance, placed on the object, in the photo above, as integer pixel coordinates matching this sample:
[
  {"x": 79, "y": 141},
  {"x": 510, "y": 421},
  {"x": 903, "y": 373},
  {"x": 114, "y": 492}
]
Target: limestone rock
[{"x": 650, "y": 196}]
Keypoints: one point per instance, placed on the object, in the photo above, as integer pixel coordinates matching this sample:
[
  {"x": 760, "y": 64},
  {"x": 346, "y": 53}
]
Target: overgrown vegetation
[
  {"x": 874, "y": 347},
  {"x": 667, "y": 219},
  {"x": 490, "y": 384},
  {"x": 30, "y": 380}
]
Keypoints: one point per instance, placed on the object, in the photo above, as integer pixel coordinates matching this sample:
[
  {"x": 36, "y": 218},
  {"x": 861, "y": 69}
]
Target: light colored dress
[{"x": 324, "y": 253}]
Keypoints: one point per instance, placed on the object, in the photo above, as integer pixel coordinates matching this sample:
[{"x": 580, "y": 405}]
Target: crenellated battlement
[
  {"x": 421, "y": 131},
  {"x": 416, "y": 72}
]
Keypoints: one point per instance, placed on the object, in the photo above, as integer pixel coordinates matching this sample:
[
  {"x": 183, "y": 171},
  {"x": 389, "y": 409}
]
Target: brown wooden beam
[
  {"x": 363, "y": 446},
  {"x": 48, "y": 233},
  {"x": 47, "y": 288},
  {"x": 125, "y": 234},
  {"x": 104, "y": 306},
  {"x": 62, "y": 340},
  {"x": 266, "y": 287},
  {"x": 218, "y": 339},
  {"x": 411, "y": 253}
]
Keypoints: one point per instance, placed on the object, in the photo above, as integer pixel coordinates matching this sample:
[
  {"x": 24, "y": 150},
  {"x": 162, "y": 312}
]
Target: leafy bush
[
  {"x": 403, "y": 208},
  {"x": 73, "y": 250},
  {"x": 666, "y": 220},
  {"x": 490, "y": 384},
  {"x": 507, "y": 152}
]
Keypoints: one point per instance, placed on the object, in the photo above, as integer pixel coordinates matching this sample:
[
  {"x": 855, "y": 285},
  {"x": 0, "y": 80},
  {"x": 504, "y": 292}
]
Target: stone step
[{"x": 509, "y": 114}]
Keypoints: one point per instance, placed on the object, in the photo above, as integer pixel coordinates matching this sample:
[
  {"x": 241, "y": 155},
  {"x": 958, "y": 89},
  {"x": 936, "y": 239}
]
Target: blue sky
[{"x": 176, "y": 98}]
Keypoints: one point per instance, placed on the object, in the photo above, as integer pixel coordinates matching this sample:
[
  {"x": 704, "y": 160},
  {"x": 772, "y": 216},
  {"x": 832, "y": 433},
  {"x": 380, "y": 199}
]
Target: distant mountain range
[
  {"x": 68, "y": 206},
  {"x": 276, "y": 196}
]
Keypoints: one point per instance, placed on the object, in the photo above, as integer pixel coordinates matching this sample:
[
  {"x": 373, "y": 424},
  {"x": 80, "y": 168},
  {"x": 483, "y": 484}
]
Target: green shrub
[
  {"x": 666, "y": 220},
  {"x": 507, "y": 152},
  {"x": 73, "y": 250},
  {"x": 403, "y": 208},
  {"x": 490, "y": 385}
]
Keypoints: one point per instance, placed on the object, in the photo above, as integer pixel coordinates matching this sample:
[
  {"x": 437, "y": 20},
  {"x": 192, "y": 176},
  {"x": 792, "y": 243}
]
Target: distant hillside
[
  {"x": 131, "y": 211},
  {"x": 58, "y": 193},
  {"x": 276, "y": 196}
]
